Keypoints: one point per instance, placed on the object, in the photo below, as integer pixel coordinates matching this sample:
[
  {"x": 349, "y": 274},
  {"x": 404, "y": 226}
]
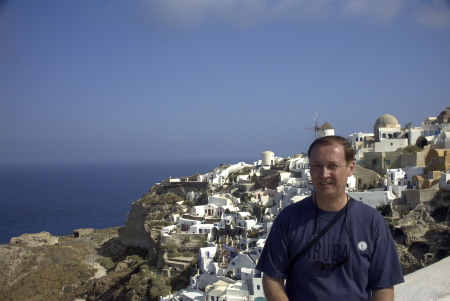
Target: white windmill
[{"x": 315, "y": 126}]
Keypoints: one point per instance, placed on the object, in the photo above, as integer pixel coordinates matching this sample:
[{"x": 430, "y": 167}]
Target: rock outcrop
[
  {"x": 420, "y": 239},
  {"x": 147, "y": 216},
  {"x": 35, "y": 239}
]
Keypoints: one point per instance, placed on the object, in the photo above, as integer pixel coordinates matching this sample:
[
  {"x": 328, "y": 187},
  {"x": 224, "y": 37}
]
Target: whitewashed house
[
  {"x": 390, "y": 145},
  {"x": 235, "y": 265},
  {"x": 444, "y": 181},
  {"x": 192, "y": 195},
  {"x": 443, "y": 139},
  {"x": 219, "y": 200},
  {"x": 396, "y": 176},
  {"x": 410, "y": 172},
  {"x": 226, "y": 210},
  {"x": 186, "y": 221},
  {"x": 206, "y": 255},
  {"x": 397, "y": 179},
  {"x": 237, "y": 292},
  {"x": 373, "y": 198},
  {"x": 217, "y": 291},
  {"x": 258, "y": 291},
  {"x": 211, "y": 210},
  {"x": 200, "y": 229},
  {"x": 188, "y": 294},
  {"x": 351, "y": 183},
  {"x": 174, "y": 218},
  {"x": 300, "y": 165},
  {"x": 242, "y": 178},
  {"x": 227, "y": 222},
  {"x": 240, "y": 218},
  {"x": 198, "y": 210},
  {"x": 266, "y": 197},
  {"x": 430, "y": 127},
  {"x": 168, "y": 229},
  {"x": 285, "y": 176},
  {"x": 192, "y": 295},
  {"x": 357, "y": 139},
  {"x": 249, "y": 223}
]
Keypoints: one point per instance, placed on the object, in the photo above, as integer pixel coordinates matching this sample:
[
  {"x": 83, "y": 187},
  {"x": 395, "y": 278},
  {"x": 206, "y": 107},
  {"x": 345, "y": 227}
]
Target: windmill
[{"x": 315, "y": 126}]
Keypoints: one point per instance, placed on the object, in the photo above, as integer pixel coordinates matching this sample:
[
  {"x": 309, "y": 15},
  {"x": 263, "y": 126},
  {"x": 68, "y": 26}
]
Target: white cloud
[
  {"x": 190, "y": 14},
  {"x": 434, "y": 13},
  {"x": 380, "y": 11}
]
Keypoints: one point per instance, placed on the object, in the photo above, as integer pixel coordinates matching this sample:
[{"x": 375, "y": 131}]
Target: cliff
[{"x": 147, "y": 216}]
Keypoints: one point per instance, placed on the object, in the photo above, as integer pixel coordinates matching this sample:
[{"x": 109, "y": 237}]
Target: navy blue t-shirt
[{"x": 357, "y": 255}]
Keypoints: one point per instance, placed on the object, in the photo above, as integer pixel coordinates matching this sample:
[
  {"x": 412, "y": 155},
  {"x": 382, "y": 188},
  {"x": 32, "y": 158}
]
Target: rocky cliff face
[
  {"x": 147, "y": 216},
  {"x": 421, "y": 239}
]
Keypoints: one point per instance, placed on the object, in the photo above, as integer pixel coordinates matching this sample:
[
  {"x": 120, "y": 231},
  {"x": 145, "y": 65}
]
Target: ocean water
[{"x": 59, "y": 198}]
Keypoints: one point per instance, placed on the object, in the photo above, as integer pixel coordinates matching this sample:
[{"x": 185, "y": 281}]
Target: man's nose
[{"x": 324, "y": 171}]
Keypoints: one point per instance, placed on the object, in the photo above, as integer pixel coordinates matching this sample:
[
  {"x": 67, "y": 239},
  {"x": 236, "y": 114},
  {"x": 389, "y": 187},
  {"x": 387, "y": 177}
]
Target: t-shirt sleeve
[
  {"x": 274, "y": 259},
  {"x": 385, "y": 269}
]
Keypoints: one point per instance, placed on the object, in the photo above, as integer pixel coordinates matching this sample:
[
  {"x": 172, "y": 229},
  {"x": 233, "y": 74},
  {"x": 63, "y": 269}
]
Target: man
[{"x": 355, "y": 258}]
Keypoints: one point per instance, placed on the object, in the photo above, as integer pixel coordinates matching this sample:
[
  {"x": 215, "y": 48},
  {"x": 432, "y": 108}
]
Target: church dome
[{"x": 386, "y": 121}]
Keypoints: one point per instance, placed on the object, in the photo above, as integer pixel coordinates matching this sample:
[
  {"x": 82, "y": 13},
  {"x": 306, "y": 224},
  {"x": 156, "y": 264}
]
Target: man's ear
[{"x": 351, "y": 167}]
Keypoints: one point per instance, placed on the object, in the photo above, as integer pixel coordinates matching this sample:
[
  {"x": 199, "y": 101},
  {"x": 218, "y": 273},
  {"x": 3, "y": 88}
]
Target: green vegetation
[
  {"x": 411, "y": 149},
  {"x": 158, "y": 288},
  {"x": 256, "y": 180},
  {"x": 422, "y": 142},
  {"x": 254, "y": 234},
  {"x": 107, "y": 263},
  {"x": 172, "y": 249},
  {"x": 166, "y": 197}
]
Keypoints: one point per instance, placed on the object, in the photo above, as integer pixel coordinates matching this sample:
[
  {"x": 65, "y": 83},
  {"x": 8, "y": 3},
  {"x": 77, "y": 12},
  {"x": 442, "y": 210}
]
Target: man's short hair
[{"x": 349, "y": 152}]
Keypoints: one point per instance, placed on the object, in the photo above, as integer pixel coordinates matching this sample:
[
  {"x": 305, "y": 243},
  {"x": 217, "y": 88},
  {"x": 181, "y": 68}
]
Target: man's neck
[{"x": 331, "y": 204}]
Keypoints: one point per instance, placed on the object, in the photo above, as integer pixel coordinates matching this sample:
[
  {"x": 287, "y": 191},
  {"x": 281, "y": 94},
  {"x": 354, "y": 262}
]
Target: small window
[{"x": 258, "y": 287}]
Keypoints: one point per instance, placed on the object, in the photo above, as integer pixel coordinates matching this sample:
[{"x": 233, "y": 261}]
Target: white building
[
  {"x": 186, "y": 222},
  {"x": 217, "y": 290},
  {"x": 444, "y": 181},
  {"x": 219, "y": 200},
  {"x": 373, "y": 198},
  {"x": 198, "y": 210},
  {"x": 325, "y": 130},
  {"x": 234, "y": 267},
  {"x": 358, "y": 139},
  {"x": 200, "y": 229},
  {"x": 237, "y": 292},
  {"x": 206, "y": 255},
  {"x": 192, "y": 295},
  {"x": 387, "y": 127},
  {"x": 192, "y": 195},
  {"x": 168, "y": 229},
  {"x": 266, "y": 197},
  {"x": 390, "y": 145},
  {"x": 267, "y": 158},
  {"x": 211, "y": 210},
  {"x": 299, "y": 164},
  {"x": 228, "y": 209}
]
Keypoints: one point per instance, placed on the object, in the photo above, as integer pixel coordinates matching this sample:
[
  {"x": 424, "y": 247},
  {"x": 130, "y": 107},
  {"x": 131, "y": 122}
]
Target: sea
[{"x": 59, "y": 198}]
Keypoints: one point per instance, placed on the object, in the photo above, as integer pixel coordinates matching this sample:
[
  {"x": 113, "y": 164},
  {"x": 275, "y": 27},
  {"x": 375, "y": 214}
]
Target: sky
[{"x": 145, "y": 80}]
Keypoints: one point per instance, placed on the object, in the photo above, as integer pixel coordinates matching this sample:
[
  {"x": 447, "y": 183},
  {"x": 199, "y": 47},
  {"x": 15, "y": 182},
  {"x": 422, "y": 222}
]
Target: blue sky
[{"x": 86, "y": 81}]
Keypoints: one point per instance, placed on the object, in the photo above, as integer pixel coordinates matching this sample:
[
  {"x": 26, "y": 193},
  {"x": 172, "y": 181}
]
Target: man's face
[{"x": 329, "y": 170}]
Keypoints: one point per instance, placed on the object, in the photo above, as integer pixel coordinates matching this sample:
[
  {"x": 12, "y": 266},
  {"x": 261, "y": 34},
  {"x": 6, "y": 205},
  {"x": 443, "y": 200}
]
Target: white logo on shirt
[{"x": 362, "y": 245}]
